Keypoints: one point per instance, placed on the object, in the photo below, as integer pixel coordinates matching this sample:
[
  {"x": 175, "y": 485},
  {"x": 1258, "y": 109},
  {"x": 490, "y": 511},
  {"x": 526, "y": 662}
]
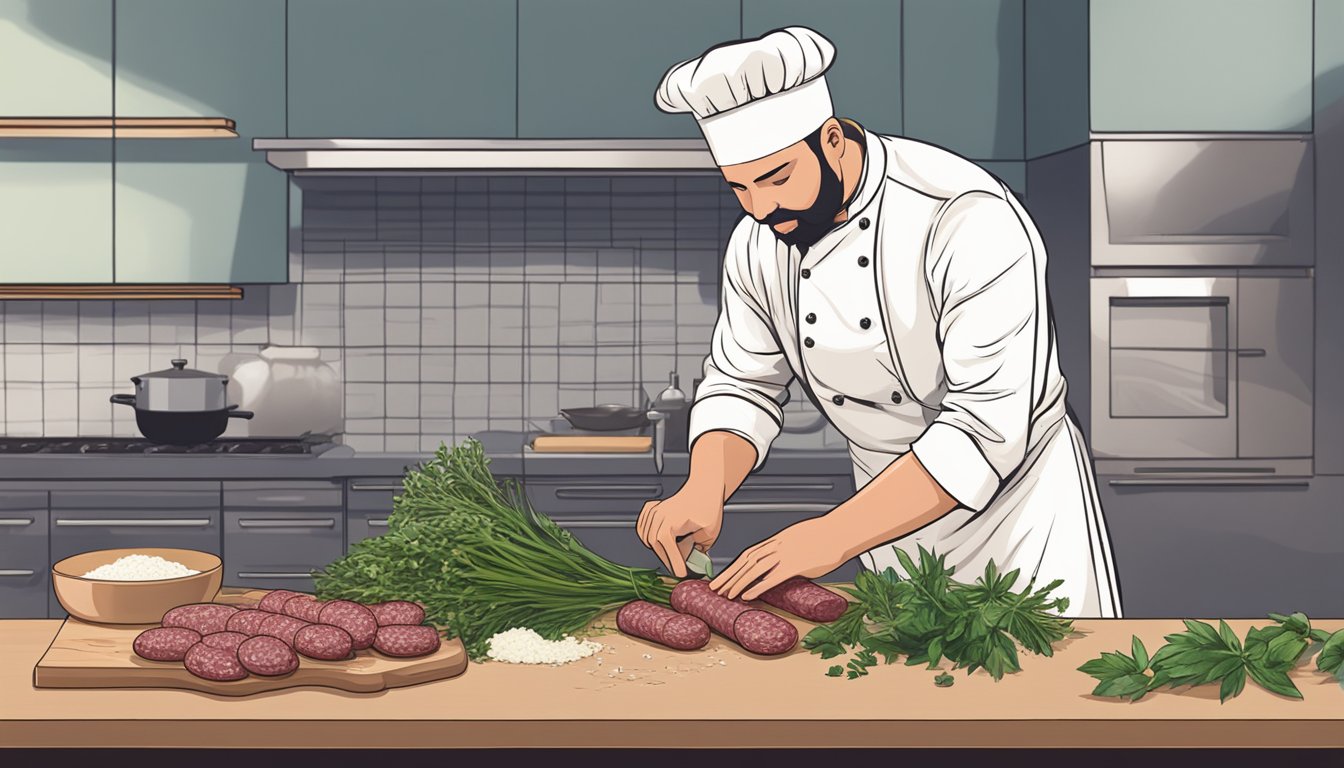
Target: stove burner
[{"x": 309, "y": 445}]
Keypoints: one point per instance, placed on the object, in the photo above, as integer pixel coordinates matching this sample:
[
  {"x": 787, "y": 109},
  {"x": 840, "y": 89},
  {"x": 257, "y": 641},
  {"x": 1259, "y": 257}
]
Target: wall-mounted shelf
[
  {"x": 119, "y": 128},
  {"x": 87, "y": 292}
]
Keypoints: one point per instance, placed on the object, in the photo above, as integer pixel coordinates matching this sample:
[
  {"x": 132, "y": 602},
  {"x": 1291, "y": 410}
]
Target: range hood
[{"x": 487, "y": 156}]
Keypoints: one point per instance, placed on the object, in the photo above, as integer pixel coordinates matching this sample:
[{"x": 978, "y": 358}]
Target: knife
[{"x": 696, "y": 561}]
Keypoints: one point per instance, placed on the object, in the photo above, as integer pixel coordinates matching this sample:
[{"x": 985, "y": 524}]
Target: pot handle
[
  {"x": 123, "y": 400},
  {"x": 234, "y": 413}
]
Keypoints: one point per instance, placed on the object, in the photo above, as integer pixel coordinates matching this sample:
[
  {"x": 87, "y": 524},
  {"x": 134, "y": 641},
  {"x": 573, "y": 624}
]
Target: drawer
[
  {"x": 101, "y": 496},
  {"x": 283, "y": 495},
  {"x": 372, "y": 493},
  {"x": 279, "y": 550},
  {"x": 24, "y": 572},
  {"x": 605, "y": 495},
  {"x": 773, "y": 488},
  {"x": 364, "y": 524}
]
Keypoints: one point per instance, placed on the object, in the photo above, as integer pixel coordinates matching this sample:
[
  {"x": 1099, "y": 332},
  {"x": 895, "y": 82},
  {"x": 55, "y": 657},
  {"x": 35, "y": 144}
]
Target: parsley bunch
[
  {"x": 1201, "y": 656},
  {"x": 928, "y": 617}
]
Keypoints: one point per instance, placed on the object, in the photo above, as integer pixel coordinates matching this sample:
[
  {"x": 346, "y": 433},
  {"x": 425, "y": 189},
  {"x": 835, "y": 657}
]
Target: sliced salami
[
  {"x": 225, "y": 641},
  {"x": 354, "y": 618},
  {"x": 214, "y": 663},
  {"x": 662, "y": 625},
  {"x": 202, "y": 618},
  {"x": 303, "y": 607},
  {"x": 274, "y": 601},
  {"x": 396, "y": 612},
  {"x": 405, "y": 641},
  {"x": 165, "y": 643},
  {"x": 281, "y": 627},
  {"x": 267, "y": 656},
  {"x": 806, "y": 600},
  {"x": 247, "y": 621},
  {"x": 323, "y": 641}
]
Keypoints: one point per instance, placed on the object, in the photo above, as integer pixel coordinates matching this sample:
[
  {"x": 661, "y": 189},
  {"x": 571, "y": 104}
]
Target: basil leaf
[
  {"x": 1274, "y": 681},
  {"x": 1140, "y": 653},
  {"x": 1232, "y": 684},
  {"x": 1331, "y": 658},
  {"x": 835, "y": 671}
]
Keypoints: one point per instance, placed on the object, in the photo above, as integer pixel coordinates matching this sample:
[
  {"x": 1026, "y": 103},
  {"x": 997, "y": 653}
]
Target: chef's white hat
[{"x": 754, "y": 97}]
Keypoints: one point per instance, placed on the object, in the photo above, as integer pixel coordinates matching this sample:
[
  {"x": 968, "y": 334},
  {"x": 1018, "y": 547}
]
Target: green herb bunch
[
  {"x": 481, "y": 560},
  {"x": 1201, "y": 655},
  {"x": 928, "y": 617}
]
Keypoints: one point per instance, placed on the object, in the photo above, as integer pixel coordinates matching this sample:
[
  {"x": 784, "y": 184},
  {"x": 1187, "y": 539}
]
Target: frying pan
[{"x": 606, "y": 418}]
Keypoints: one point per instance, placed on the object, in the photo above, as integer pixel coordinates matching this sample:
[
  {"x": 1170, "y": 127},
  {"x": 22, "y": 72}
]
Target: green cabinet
[
  {"x": 865, "y": 80},
  {"x": 55, "y": 58},
  {"x": 1201, "y": 65},
  {"x": 404, "y": 68},
  {"x": 589, "y": 68},
  {"x": 963, "y": 76},
  {"x": 56, "y": 211},
  {"x": 1056, "y": 75}
]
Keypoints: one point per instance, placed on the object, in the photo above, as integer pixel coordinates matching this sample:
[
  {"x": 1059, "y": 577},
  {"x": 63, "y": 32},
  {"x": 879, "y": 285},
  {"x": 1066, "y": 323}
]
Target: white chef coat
[{"x": 922, "y": 324}]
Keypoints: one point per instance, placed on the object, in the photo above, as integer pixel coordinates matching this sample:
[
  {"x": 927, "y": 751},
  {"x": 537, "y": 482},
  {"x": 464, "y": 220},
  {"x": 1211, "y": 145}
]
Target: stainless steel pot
[{"x": 180, "y": 405}]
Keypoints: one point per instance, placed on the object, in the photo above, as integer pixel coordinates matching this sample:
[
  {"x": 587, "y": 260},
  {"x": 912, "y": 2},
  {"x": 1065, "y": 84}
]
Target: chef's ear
[{"x": 833, "y": 136}]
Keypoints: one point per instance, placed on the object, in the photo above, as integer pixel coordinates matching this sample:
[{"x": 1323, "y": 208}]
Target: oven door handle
[
  {"x": 1251, "y": 352},
  {"x": 1223, "y": 482}
]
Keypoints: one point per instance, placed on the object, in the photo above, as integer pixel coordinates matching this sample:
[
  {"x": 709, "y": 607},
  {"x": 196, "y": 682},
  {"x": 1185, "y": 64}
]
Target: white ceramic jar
[{"x": 290, "y": 391}]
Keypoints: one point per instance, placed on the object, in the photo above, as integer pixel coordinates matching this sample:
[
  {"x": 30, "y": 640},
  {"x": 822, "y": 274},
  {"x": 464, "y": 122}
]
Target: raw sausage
[
  {"x": 203, "y": 618},
  {"x": 398, "y": 612},
  {"x": 214, "y": 663},
  {"x": 323, "y": 641},
  {"x": 806, "y": 600},
  {"x": 165, "y": 643},
  {"x": 247, "y": 621},
  {"x": 225, "y": 641},
  {"x": 266, "y": 656},
  {"x": 274, "y": 601},
  {"x": 354, "y": 618},
  {"x": 407, "y": 641},
  {"x": 756, "y": 630},
  {"x": 281, "y": 627},
  {"x": 662, "y": 625},
  {"x": 303, "y": 607}
]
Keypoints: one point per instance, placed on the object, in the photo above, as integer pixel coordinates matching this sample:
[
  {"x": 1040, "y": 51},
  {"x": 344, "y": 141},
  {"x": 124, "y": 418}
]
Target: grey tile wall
[{"x": 448, "y": 305}]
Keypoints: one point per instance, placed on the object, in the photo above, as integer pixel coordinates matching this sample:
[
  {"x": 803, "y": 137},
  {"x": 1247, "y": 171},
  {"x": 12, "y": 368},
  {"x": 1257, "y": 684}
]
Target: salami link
[
  {"x": 202, "y": 618},
  {"x": 247, "y": 621},
  {"x": 396, "y": 612},
  {"x": 214, "y": 663},
  {"x": 225, "y": 641},
  {"x": 323, "y": 641},
  {"x": 274, "y": 601},
  {"x": 266, "y": 656},
  {"x": 303, "y": 607},
  {"x": 662, "y": 625},
  {"x": 354, "y": 618},
  {"x": 755, "y": 630},
  {"x": 806, "y": 600},
  {"x": 281, "y": 627},
  {"x": 406, "y": 641},
  {"x": 165, "y": 643}
]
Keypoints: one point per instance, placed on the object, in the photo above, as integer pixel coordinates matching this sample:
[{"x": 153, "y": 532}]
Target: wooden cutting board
[
  {"x": 592, "y": 443},
  {"x": 86, "y": 655}
]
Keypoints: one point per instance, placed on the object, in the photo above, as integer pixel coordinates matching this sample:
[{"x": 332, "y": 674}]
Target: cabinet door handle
[
  {"x": 363, "y": 487},
  {"x": 18, "y": 572},
  {"x": 282, "y": 499},
  {"x": 16, "y": 521},
  {"x": 789, "y": 487},
  {"x": 202, "y": 522},
  {"x": 377, "y": 522},
  {"x": 274, "y": 575},
  {"x": 596, "y": 523},
  {"x": 1221, "y": 482},
  {"x": 1251, "y": 353},
  {"x": 324, "y": 523},
  {"x": 798, "y": 508},
  {"x": 608, "y": 492}
]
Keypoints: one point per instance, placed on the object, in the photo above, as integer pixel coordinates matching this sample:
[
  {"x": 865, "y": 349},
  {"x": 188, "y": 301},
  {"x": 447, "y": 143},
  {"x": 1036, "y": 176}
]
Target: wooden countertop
[{"x": 717, "y": 697}]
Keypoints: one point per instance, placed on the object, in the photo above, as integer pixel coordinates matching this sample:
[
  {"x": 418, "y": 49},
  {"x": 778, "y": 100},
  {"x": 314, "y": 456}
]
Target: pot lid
[{"x": 180, "y": 371}]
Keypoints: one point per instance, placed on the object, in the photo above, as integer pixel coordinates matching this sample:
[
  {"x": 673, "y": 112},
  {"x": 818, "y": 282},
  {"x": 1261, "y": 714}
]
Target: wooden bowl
[{"x": 133, "y": 602}]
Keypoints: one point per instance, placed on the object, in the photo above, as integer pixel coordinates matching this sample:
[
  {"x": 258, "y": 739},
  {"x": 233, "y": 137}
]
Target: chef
[{"x": 904, "y": 288}]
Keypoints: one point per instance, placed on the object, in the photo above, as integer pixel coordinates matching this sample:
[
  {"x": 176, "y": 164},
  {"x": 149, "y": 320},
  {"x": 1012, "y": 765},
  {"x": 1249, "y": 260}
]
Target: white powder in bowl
[
  {"x": 524, "y": 646},
  {"x": 139, "y": 568}
]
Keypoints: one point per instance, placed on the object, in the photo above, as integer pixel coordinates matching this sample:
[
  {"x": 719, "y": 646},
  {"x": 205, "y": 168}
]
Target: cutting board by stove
[
  {"x": 592, "y": 444},
  {"x": 86, "y": 655}
]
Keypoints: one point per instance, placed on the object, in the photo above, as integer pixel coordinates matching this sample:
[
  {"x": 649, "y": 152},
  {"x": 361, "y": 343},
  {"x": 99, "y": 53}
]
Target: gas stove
[{"x": 120, "y": 446}]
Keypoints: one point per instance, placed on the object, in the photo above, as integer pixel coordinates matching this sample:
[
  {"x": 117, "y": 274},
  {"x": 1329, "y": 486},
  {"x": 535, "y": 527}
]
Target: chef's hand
[
  {"x": 809, "y": 549},
  {"x": 691, "y": 512}
]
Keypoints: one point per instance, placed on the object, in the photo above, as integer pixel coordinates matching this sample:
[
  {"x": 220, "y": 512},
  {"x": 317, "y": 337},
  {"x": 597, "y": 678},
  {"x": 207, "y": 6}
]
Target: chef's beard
[{"x": 817, "y": 219}]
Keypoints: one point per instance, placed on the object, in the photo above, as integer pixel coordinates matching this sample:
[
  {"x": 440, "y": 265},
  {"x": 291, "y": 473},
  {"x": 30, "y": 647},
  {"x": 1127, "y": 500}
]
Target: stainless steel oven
[{"x": 1203, "y": 372}]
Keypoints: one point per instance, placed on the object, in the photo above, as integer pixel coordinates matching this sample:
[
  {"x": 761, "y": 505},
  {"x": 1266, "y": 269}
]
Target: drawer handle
[
  {"x": 285, "y": 499},
  {"x": 325, "y": 523},
  {"x": 363, "y": 487},
  {"x": 789, "y": 487},
  {"x": 1251, "y": 353},
  {"x": 799, "y": 508},
  {"x": 1228, "y": 482},
  {"x": 377, "y": 522},
  {"x": 596, "y": 523},
  {"x": 273, "y": 575},
  {"x": 16, "y": 521},
  {"x": 609, "y": 492},
  {"x": 164, "y": 523},
  {"x": 20, "y": 572}
]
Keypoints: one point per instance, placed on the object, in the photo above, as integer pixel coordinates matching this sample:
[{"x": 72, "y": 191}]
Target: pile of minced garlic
[
  {"x": 524, "y": 646},
  {"x": 140, "y": 568}
]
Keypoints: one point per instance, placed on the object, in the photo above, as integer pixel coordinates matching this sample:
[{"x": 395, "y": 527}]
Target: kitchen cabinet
[
  {"x": 1201, "y": 65},
  {"x": 55, "y": 58},
  {"x": 589, "y": 68},
  {"x": 91, "y": 516},
  {"x": 55, "y": 210},
  {"x": 865, "y": 80},
  {"x": 405, "y": 68},
  {"x": 25, "y": 574},
  {"x": 277, "y": 533},
  {"x": 368, "y": 504},
  {"x": 963, "y": 76}
]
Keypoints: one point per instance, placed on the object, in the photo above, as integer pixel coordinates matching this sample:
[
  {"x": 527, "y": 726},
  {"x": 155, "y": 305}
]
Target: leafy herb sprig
[
  {"x": 1202, "y": 655},
  {"x": 928, "y": 617}
]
